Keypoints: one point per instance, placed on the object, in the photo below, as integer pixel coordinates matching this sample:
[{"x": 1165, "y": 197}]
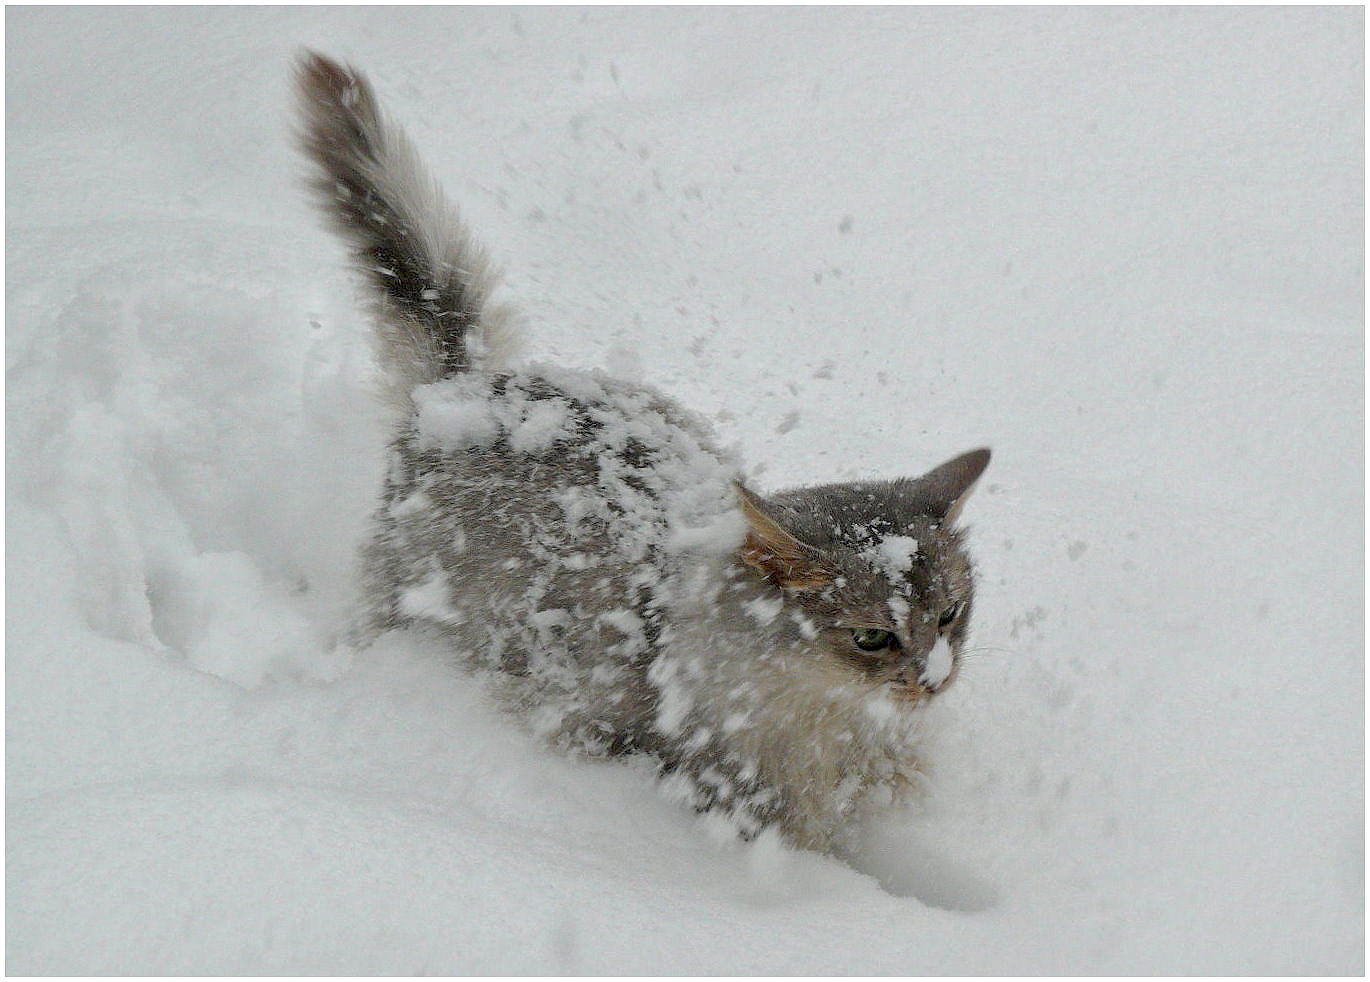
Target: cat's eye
[
  {"x": 949, "y": 615},
  {"x": 872, "y": 638}
]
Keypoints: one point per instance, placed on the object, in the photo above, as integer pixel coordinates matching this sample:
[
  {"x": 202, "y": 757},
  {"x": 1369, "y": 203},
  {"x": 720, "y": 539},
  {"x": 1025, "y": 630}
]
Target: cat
[{"x": 587, "y": 541}]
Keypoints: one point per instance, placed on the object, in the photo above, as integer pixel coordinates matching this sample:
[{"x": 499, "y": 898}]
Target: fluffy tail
[{"x": 430, "y": 283}]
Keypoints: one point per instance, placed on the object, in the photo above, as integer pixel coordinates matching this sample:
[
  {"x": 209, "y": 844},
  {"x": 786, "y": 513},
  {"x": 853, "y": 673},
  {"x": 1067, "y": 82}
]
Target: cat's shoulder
[{"x": 541, "y": 406}]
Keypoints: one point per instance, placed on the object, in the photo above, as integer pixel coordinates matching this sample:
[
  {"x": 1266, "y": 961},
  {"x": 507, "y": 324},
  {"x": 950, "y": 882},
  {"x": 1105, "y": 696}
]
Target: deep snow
[{"x": 1124, "y": 247}]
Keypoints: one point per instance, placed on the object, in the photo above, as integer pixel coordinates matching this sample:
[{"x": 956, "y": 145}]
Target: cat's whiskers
[{"x": 982, "y": 649}]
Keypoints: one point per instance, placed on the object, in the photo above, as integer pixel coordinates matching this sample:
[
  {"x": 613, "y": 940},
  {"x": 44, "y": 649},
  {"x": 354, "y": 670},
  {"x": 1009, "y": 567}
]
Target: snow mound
[{"x": 1122, "y": 246}]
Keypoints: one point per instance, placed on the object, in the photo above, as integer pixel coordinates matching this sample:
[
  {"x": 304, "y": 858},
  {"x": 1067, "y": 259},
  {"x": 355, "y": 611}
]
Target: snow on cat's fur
[{"x": 585, "y": 540}]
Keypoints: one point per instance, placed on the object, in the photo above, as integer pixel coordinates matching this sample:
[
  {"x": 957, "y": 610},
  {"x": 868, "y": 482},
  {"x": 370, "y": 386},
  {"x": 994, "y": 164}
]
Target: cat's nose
[{"x": 937, "y": 664}]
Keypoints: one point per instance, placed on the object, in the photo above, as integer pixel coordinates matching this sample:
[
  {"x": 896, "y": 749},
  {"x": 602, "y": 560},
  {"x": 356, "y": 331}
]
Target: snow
[
  {"x": 429, "y": 599},
  {"x": 456, "y": 414},
  {"x": 763, "y": 610},
  {"x": 1123, "y": 247},
  {"x": 894, "y": 554}
]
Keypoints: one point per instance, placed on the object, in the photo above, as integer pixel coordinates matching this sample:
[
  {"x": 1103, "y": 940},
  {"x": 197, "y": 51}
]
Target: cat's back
[
  {"x": 546, "y": 518},
  {"x": 612, "y": 456}
]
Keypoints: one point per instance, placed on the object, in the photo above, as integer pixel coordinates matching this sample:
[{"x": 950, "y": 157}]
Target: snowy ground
[{"x": 1123, "y": 247}]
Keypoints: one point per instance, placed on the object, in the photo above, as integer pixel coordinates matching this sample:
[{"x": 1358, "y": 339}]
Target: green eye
[{"x": 872, "y": 639}]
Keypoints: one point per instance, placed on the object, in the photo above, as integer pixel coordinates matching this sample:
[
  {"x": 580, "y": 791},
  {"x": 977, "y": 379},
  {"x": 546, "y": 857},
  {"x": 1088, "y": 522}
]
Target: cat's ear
[
  {"x": 943, "y": 490},
  {"x": 776, "y": 554}
]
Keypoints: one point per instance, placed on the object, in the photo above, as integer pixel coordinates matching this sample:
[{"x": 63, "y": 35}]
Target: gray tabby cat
[{"x": 586, "y": 540}]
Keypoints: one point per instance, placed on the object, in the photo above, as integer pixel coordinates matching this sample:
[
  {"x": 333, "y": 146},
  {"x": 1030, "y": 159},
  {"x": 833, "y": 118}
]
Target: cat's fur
[{"x": 586, "y": 540}]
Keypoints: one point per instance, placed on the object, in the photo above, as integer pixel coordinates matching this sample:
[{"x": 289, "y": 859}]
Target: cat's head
[{"x": 874, "y": 573}]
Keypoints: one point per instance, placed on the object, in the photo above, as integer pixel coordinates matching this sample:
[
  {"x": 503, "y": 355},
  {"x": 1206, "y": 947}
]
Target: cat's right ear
[
  {"x": 776, "y": 554},
  {"x": 944, "y": 489}
]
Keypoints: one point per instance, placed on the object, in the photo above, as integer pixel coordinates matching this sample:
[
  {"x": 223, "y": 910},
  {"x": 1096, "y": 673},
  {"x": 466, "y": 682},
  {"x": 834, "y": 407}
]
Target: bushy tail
[{"x": 430, "y": 282}]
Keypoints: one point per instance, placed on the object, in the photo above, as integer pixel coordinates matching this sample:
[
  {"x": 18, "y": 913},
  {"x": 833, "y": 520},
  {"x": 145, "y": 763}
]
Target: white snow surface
[{"x": 1123, "y": 247}]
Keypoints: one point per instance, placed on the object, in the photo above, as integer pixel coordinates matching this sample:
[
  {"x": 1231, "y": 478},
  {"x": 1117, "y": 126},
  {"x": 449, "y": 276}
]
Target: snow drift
[{"x": 1123, "y": 247}]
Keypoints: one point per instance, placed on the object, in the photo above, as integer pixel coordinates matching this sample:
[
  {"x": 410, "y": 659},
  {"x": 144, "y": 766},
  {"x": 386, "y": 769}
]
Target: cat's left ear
[
  {"x": 943, "y": 490},
  {"x": 776, "y": 554}
]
